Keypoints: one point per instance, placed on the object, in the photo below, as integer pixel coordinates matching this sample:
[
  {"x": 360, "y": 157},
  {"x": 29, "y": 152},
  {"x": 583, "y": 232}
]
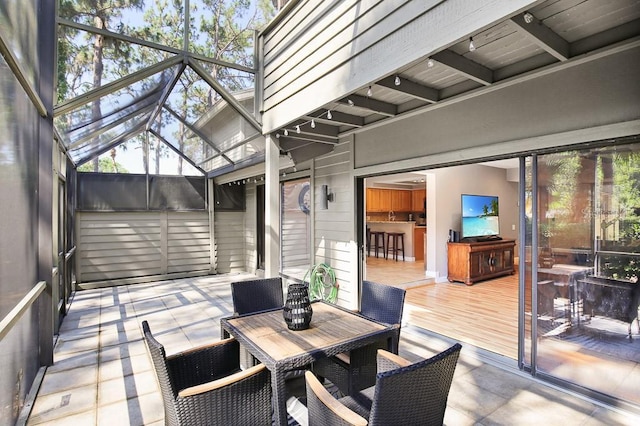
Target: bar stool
[
  {"x": 378, "y": 242},
  {"x": 393, "y": 246}
]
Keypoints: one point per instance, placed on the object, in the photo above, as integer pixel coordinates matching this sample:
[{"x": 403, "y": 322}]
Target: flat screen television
[{"x": 480, "y": 216}]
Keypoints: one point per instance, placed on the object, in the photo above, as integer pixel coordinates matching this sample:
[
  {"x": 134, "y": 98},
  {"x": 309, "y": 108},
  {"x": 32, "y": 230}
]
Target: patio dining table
[{"x": 333, "y": 330}]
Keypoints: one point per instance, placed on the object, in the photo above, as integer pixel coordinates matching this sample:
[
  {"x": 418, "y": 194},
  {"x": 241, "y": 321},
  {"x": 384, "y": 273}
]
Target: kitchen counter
[{"x": 398, "y": 226}]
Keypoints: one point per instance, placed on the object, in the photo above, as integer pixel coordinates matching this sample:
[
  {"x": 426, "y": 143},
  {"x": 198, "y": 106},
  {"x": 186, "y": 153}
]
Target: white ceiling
[{"x": 417, "y": 178}]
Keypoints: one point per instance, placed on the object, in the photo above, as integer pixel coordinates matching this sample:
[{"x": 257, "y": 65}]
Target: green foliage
[{"x": 105, "y": 165}]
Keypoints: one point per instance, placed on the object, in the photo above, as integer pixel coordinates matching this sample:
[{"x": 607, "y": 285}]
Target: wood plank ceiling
[{"x": 550, "y": 34}]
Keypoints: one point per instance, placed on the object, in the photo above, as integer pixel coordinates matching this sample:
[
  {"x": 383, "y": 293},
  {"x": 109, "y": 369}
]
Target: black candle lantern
[{"x": 297, "y": 309}]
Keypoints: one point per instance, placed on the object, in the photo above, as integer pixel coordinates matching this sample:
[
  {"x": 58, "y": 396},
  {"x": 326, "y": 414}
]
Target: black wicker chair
[
  {"x": 404, "y": 394},
  {"x": 257, "y": 295},
  {"x": 254, "y": 296},
  {"x": 205, "y": 386},
  {"x": 357, "y": 370}
]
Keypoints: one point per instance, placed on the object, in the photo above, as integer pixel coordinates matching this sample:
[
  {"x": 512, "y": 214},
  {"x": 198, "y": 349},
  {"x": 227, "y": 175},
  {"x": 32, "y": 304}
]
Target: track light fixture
[
  {"x": 313, "y": 124},
  {"x": 369, "y": 92},
  {"x": 298, "y": 129},
  {"x": 329, "y": 116},
  {"x": 430, "y": 63},
  {"x": 397, "y": 81},
  {"x": 350, "y": 102},
  {"x": 472, "y": 46}
]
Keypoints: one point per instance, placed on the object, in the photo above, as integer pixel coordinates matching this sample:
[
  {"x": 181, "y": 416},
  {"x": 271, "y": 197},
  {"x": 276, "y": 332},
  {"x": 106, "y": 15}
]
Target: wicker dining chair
[
  {"x": 205, "y": 386},
  {"x": 257, "y": 295},
  {"x": 252, "y": 296},
  {"x": 356, "y": 370},
  {"x": 404, "y": 394}
]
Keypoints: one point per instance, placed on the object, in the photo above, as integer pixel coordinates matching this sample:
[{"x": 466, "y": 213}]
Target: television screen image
[{"x": 480, "y": 216}]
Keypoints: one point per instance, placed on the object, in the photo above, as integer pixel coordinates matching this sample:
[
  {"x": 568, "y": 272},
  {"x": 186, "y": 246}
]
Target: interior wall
[
  {"x": 444, "y": 202},
  {"x": 601, "y": 92}
]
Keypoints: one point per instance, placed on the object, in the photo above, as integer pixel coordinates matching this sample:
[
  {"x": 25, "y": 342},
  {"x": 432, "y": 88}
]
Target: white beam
[{"x": 272, "y": 208}]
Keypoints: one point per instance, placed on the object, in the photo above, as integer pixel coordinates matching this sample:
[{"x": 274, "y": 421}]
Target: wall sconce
[{"x": 325, "y": 197}]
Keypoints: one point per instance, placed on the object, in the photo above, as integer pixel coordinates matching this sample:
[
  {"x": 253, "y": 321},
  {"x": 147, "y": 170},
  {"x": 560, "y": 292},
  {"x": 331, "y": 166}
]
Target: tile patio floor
[{"x": 102, "y": 374}]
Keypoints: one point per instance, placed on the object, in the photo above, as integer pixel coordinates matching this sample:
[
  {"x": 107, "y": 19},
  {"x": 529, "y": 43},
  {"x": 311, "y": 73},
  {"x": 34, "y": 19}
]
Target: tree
[
  {"x": 105, "y": 165},
  {"x": 74, "y": 60}
]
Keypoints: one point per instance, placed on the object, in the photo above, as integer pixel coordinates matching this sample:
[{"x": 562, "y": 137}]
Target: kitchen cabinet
[
  {"x": 378, "y": 200},
  {"x": 400, "y": 201},
  {"x": 418, "y": 242},
  {"x": 418, "y": 199},
  {"x": 385, "y": 200},
  {"x": 471, "y": 262}
]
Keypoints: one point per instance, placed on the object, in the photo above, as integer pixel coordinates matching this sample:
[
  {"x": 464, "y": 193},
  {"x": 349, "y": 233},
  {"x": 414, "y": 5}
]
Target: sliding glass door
[{"x": 582, "y": 213}]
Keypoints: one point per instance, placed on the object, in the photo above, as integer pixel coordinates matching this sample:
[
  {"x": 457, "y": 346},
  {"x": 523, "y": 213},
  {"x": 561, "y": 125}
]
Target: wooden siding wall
[
  {"x": 137, "y": 244},
  {"x": 295, "y": 232},
  {"x": 324, "y": 50},
  {"x": 334, "y": 235},
  {"x": 231, "y": 241},
  {"x": 250, "y": 231}
]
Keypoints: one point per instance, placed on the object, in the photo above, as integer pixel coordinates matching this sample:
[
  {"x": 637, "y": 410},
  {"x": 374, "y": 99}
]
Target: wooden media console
[{"x": 469, "y": 262}]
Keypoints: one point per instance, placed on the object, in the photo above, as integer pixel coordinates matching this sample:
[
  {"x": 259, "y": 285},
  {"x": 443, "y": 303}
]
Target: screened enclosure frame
[{"x": 84, "y": 138}]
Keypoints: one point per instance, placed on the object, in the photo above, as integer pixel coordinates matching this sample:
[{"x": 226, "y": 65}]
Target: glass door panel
[{"x": 588, "y": 264}]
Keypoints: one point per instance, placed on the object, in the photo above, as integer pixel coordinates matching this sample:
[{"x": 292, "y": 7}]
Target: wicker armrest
[
  {"x": 220, "y": 383},
  {"x": 326, "y": 400},
  {"x": 389, "y": 361},
  {"x": 204, "y": 364},
  {"x": 196, "y": 349}
]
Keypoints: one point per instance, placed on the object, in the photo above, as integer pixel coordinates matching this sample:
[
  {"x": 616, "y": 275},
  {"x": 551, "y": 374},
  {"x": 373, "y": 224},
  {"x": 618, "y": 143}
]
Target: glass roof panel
[
  {"x": 160, "y": 21},
  {"x": 168, "y": 162},
  {"x": 237, "y": 83},
  {"x": 112, "y": 109},
  {"x": 77, "y": 61},
  {"x": 128, "y": 157},
  {"x": 87, "y": 148},
  {"x": 190, "y": 96},
  {"x": 177, "y": 133},
  {"x": 120, "y": 60},
  {"x": 225, "y": 29}
]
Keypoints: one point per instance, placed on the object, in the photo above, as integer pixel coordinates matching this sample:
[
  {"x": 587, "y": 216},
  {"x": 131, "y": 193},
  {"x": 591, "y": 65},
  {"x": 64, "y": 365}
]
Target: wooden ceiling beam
[
  {"x": 410, "y": 88},
  {"x": 337, "y": 117},
  {"x": 373, "y": 105},
  {"x": 320, "y": 129},
  {"x": 543, "y": 36},
  {"x": 464, "y": 66},
  {"x": 306, "y": 137}
]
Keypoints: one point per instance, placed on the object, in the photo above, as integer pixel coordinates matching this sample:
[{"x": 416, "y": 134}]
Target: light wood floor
[{"x": 484, "y": 314}]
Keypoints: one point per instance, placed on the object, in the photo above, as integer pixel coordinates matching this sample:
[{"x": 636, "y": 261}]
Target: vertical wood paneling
[
  {"x": 250, "y": 235},
  {"x": 231, "y": 248},
  {"x": 334, "y": 227},
  {"x": 136, "y": 244}
]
